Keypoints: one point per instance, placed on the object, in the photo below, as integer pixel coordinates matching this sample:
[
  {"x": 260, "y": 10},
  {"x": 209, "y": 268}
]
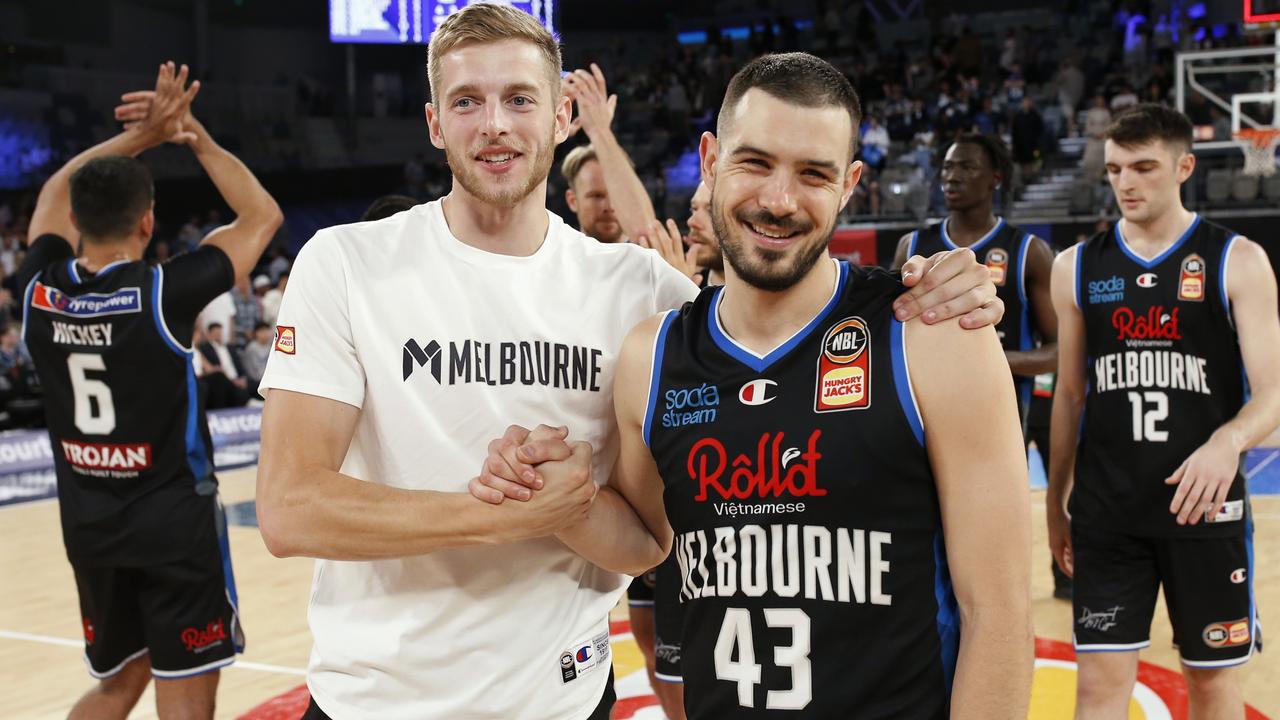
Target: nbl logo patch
[
  {"x": 998, "y": 263},
  {"x": 844, "y": 367},
  {"x": 1191, "y": 281},
  {"x": 51, "y": 299}
]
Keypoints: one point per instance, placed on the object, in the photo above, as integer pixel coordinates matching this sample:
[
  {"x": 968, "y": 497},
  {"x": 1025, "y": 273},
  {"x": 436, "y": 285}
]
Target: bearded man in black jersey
[
  {"x": 839, "y": 488},
  {"x": 1156, "y": 316}
]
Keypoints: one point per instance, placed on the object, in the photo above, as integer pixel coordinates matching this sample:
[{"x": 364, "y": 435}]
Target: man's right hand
[
  {"x": 1060, "y": 536},
  {"x": 160, "y": 113},
  {"x": 566, "y": 495}
]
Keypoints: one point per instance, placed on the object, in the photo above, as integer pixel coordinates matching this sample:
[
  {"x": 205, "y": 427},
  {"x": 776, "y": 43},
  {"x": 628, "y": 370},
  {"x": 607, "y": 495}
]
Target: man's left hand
[
  {"x": 1203, "y": 481},
  {"x": 949, "y": 284}
]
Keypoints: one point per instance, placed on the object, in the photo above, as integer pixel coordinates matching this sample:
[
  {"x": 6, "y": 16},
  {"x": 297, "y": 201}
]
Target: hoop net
[{"x": 1259, "y": 148}]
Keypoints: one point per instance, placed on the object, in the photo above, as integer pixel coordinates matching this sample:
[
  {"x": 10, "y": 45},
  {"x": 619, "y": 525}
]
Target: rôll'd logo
[{"x": 198, "y": 640}]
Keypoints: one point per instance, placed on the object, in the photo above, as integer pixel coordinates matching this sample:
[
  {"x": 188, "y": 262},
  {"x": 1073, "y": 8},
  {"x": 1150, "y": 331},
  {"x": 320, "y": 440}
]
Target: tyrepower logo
[
  {"x": 844, "y": 367},
  {"x": 198, "y": 640},
  {"x": 772, "y": 472},
  {"x": 128, "y": 458},
  {"x": 50, "y": 299},
  {"x": 1157, "y": 324}
]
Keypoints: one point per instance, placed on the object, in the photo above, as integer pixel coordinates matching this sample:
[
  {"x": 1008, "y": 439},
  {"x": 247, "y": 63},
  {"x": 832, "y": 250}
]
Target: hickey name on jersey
[
  {"x": 821, "y": 563},
  {"x": 97, "y": 334}
]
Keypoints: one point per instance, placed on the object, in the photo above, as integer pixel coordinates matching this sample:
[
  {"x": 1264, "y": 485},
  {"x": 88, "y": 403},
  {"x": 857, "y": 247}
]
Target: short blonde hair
[
  {"x": 577, "y": 158},
  {"x": 486, "y": 23}
]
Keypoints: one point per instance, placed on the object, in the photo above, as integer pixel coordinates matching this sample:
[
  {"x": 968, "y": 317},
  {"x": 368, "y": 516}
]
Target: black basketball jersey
[
  {"x": 813, "y": 575},
  {"x": 130, "y": 442},
  {"x": 1164, "y": 372},
  {"x": 1004, "y": 252}
]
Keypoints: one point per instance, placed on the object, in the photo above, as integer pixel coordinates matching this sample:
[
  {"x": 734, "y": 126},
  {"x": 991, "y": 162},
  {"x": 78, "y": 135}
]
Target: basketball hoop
[{"x": 1259, "y": 148}]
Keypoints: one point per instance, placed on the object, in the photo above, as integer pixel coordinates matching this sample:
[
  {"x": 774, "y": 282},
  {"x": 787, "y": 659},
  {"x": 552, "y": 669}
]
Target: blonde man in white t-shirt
[{"x": 404, "y": 345}]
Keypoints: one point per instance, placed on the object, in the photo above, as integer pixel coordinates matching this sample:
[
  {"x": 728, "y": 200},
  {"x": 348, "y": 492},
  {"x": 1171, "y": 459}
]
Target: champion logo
[
  {"x": 757, "y": 392},
  {"x": 1147, "y": 280},
  {"x": 1239, "y": 575}
]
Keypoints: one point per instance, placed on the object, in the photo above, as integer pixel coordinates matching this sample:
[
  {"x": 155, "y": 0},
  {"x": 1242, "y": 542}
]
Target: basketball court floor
[{"x": 43, "y": 672}]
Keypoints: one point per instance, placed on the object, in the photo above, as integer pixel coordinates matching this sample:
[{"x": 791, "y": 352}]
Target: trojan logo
[
  {"x": 764, "y": 476},
  {"x": 844, "y": 367},
  {"x": 1191, "y": 281},
  {"x": 998, "y": 263}
]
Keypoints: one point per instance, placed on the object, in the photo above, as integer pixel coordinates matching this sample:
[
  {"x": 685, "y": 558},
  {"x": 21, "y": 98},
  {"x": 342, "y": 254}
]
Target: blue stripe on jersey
[
  {"x": 760, "y": 364},
  {"x": 1254, "y": 637},
  {"x": 948, "y": 618},
  {"x": 1022, "y": 268},
  {"x": 1076, "y": 285},
  {"x": 902, "y": 380},
  {"x": 197, "y": 453},
  {"x": 946, "y": 239},
  {"x": 660, "y": 346},
  {"x": 1222, "y": 277},
  {"x": 911, "y": 244},
  {"x": 228, "y": 577},
  {"x": 1148, "y": 264},
  {"x": 26, "y": 305},
  {"x": 71, "y": 270}
]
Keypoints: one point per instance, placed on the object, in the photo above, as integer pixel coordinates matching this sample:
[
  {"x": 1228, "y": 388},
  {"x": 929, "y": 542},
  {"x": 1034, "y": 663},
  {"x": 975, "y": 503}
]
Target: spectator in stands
[
  {"x": 588, "y": 196},
  {"x": 1096, "y": 121},
  {"x": 160, "y": 251},
  {"x": 271, "y": 300},
  {"x": 255, "y": 355},
  {"x": 280, "y": 263},
  {"x": 222, "y": 311},
  {"x": 248, "y": 312},
  {"x": 1123, "y": 99},
  {"x": 213, "y": 221},
  {"x": 224, "y": 374},
  {"x": 190, "y": 235},
  {"x": 1070, "y": 82},
  {"x": 14, "y": 357},
  {"x": 1027, "y": 132},
  {"x": 875, "y": 143}
]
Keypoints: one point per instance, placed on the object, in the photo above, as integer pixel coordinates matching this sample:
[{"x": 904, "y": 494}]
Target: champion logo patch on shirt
[
  {"x": 286, "y": 340},
  {"x": 51, "y": 299}
]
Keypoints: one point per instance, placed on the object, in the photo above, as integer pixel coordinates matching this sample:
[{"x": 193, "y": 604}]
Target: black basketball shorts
[
  {"x": 1208, "y": 586},
  {"x": 182, "y": 613}
]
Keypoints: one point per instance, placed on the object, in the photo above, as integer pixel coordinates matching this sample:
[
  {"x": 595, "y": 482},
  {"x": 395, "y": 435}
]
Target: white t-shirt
[{"x": 443, "y": 346}]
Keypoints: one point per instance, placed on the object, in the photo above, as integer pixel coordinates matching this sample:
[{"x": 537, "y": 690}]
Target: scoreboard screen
[{"x": 398, "y": 22}]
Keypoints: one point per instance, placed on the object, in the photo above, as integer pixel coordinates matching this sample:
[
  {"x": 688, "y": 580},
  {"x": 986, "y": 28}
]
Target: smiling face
[
  {"x": 779, "y": 174},
  {"x": 1147, "y": 178},
  {"x": 498, "y": 119}
]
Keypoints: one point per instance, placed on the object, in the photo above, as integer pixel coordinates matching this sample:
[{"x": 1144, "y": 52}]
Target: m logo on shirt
[{"x": 524, "y": 362}]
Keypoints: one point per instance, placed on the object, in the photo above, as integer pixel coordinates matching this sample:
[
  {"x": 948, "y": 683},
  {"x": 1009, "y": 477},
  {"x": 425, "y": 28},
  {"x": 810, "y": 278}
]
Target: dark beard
[{"x": 757, "y": 275}]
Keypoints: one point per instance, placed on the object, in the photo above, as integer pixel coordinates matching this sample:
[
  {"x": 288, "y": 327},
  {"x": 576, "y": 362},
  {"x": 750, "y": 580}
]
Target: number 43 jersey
[
  {"x": 813, "y": 578},
  {"x": 130, "y": 441},
  {"x": 1164, "y": 372}
]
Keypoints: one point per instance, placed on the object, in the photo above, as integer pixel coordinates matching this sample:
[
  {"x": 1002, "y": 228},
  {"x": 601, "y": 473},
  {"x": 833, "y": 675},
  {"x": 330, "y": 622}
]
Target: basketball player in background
[
  {"x": 1167, "y": 308},
  {"x": 853, "y": 469},
  {"x": 141, "y": 520},
  {"x": 974, "y": 168}
]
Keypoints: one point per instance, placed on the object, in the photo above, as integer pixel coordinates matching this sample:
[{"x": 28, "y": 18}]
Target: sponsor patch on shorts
[
  {"x": 1226, "y": 634},
  {"x": 1230, "y": 511}
]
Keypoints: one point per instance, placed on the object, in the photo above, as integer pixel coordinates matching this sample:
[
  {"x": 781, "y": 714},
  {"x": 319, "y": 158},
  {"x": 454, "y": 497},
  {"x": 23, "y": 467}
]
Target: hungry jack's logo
[
  {"x": 844, "y": 367},
  {"x": 998, "y": 263},
  {"x": 1191, "y": 280}
]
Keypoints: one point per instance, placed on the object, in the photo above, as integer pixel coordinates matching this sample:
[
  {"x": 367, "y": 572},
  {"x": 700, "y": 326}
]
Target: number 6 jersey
[
  {"x": 1164, "y": 372},
  {"x": 813, "y": 578},
  {"x": 129, "y": 437}
]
